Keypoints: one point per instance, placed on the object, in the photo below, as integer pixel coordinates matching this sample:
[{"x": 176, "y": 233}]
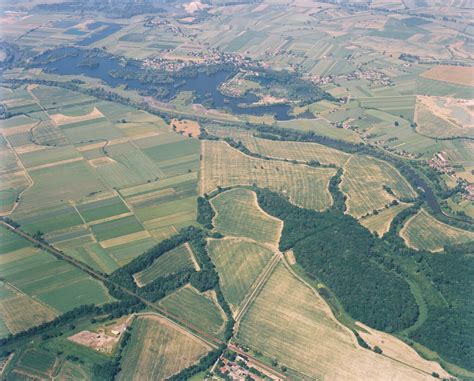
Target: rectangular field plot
[
  {"x": 65, "y": 182},
  {"x": 175, "y": 158},
  {"x": 164, "y": 206},
  {"x": 53, "y": 282},
  {"x": 178, "y": 259},
  {"x": 124, "y": 252},
  {"x": 424, "y": 232},
  {"x": 238, "y": 214},
  {"x": 49, "y": 220},
  {"x": 363, "y": 182},
  {"x": 105, "y": 208},
  {"x": 116, "y": 228},
  {"x": 291, "y": 323},
  {"x": 239, "y": 264},
  {"x": 396, "y": 105},
  {"x": 321, "y": 127},
  {"x": 225, "y": 166},
  {"x": 200, "y": 310},
  {"x": 158, "y": 349}
]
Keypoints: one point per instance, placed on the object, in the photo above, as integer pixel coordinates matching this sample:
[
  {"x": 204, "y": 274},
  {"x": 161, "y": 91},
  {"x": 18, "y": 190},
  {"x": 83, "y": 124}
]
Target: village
[{"x": 237, "y": 367}]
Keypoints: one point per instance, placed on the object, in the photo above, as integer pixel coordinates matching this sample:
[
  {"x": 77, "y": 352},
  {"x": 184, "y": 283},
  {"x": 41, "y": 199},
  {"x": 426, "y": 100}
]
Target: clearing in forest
[
  {"x": 380, "y": 223},
  {"x": 200, "y": 310},
  {"x": 238, "y": 214},
  {"x": 180, "y": 258}
]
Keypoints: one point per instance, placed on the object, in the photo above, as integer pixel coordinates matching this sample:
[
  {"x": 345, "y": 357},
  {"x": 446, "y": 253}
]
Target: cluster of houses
[
  {"x": 208, "y": 56},
  {"x": 238, "y": 367},
  {"x": 441, "y": 163},
  {"x": 374, "y": 76}
]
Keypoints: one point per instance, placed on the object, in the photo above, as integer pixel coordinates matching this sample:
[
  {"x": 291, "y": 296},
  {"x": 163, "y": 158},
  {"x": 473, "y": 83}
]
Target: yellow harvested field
[
  {"x": 397, "y": 349},
  {"x": 225, "y": 166},
  {"x": 60, "y": 119},
  {"x": 158, "y": 349},
  {"x": 301, "y": 151},
  {"x": 289, "y": 322},
  {"x": 363, "y": 182},
  {"x": 124, "y": 239},
  {"x": 424, "y": 232},
  {"x": 239, "y": 264},
  {"x": 460, "y": 75},
  {"x": 238, "y": 214},
  {"x": 380, "y": 223},
  {"x": 186, "y": 127},
  {"x": 20, "y": 312}
]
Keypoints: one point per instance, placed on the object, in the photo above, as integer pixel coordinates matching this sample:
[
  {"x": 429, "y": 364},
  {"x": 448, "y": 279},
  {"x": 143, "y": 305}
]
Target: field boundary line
[{"x": 257, "y": 287}]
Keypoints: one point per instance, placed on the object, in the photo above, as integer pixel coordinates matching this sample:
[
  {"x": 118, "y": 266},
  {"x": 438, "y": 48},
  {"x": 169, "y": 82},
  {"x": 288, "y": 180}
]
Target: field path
[{"x": 257, "y": 286}]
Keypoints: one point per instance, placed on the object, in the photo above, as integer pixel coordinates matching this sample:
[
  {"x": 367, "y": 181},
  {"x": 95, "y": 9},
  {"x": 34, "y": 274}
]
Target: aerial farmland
[{"x": 236, "y": 190}]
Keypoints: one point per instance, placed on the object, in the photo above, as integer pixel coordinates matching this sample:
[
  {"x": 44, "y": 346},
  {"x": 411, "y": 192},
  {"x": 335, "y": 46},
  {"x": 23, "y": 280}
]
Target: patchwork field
[
  {"x": 13, "y": 179},
  {"x": 224, "y": 166},
  {"x": 107, "y": 181},
  {"x": 51, "y": 282},
  {"x": 158, "y": 349},
  {"x": 380, "y": 222},
  {"x": 363, "y": 182},
  {"x": 201, "y": 310},
  {"x": 424, "y": 232},
  {"x": 292, "y": 324},
  {"x": 238, "y": 214},
  {"x": 180, "y": 258},
  {"x": 239, "y": 264}
]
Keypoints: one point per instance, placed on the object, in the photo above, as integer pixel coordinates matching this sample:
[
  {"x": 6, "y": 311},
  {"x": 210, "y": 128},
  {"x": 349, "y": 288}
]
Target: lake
[{"x": 71, "y": 61}]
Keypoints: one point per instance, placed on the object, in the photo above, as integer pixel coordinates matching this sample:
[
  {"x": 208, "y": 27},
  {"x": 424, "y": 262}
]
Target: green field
[
  {"x": 424, "y": 232},
  {"x": 199, "y": 310},
  {"x": 116, "y": 228},
  {"x": 39, "y": 361},
  {"x": 180, "y": 258},
  {"x": 158, "y": 349},
  {"x": 239, "y": 264},
  {"x": 238, "y": 215},
  {"x": 97, "y": 210},
  {"x": 53, "y": 282}
]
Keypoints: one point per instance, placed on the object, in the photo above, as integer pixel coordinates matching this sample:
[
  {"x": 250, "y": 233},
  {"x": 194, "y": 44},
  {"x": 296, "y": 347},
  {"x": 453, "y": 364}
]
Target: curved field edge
[
  {"x": 424, "y": 232},
  {"x": 238, "y": 214},
  {"x": 224, "y": 166},
  {"x": 289, "y": 322}
]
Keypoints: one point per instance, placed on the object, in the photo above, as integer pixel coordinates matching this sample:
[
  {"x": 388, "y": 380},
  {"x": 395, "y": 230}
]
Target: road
[
  {"x": 210, "y": 339},
  {"x": 190, "y": 328}
]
